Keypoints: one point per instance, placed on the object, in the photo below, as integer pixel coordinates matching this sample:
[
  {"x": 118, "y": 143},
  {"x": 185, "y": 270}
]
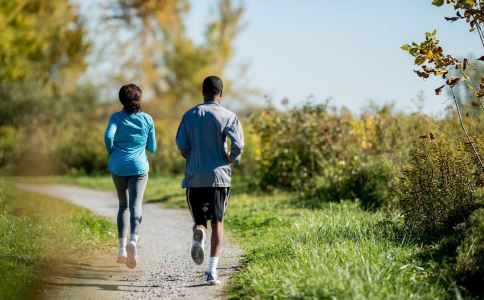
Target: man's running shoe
[
  {"x": 132, "y": 255},
  {"x": 212, "y": 279},
  {"x": 198, "y": 244}
]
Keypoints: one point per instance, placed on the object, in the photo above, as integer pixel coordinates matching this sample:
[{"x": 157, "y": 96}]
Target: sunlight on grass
[
  {"x": 39, "y": 234},
  {"x": 337, "y": 251}
]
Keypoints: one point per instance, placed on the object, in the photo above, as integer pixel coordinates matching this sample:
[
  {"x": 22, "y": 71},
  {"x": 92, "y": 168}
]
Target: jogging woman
[{"x": 128, "y": 134}]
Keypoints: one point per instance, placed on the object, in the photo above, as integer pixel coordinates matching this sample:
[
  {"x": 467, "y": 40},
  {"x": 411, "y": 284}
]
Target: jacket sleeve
[
  {"x": 109, "y": 135},
  {"x": 182, "y": 140},
  {"x": 151, "y": 142},
  {"x": 236, "y": 135}
]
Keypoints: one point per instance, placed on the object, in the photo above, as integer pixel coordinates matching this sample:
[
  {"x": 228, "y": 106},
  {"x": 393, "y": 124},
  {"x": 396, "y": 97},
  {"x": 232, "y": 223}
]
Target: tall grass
[{"x": 338, "y": 252}]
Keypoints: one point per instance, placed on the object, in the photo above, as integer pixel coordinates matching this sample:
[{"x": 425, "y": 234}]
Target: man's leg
[
  {"x": 220, "y": 204},
  {"x": 217, "y": 238},
  {"x": 195, "y": 197}
]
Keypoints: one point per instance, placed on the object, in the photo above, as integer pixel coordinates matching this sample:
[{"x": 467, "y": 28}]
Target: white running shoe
[
  {"x": 121, "y": 259},
  {"x": 198, "y": 245},
  {"x": 122, "y": 256},
  {"x": 212, "y": 279},
  {"x": 132, "y": 255}
]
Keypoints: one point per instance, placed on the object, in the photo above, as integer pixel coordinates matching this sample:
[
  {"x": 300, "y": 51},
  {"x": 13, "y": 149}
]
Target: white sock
[
  {"x": 122, "y": 246},
  {"x": 133, "y": 238},
  {"x": 212, "y": 265}
]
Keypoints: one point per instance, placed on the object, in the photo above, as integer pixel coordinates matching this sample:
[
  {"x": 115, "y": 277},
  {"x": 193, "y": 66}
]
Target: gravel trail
[{"x": 165, "y": 269}]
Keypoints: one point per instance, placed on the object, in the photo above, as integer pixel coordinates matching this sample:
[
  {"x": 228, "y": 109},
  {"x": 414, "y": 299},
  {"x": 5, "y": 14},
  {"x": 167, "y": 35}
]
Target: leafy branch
[{"x": 430, "y": 56}]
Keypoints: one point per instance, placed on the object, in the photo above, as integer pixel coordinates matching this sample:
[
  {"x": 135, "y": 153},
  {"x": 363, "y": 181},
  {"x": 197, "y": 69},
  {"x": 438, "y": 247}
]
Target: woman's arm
[
  {"x": 151, "y": 143},
  {"x": 109, "y": 135}
]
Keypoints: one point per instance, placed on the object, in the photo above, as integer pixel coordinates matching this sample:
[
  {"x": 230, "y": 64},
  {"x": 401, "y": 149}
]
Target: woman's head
[{"x": 130, "y": 96}]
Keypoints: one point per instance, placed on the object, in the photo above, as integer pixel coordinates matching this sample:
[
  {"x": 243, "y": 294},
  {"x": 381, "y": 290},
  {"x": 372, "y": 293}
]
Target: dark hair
[
  {"x": 212, "y": 85},
  {"x": 130, "y": 96}
]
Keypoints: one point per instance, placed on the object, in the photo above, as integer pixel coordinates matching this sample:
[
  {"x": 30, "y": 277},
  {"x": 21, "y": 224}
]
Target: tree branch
[{"x": 476, "y": 153}]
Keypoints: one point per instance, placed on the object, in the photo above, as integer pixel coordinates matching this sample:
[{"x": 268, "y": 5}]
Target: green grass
[
  {"x": 337, "y": 252},
  {"x": 38, "y": 236}
]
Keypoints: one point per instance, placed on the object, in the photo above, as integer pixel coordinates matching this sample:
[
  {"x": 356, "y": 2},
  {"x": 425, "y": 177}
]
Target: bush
[
  {"x": 470, "y": 259},
  {"x": 372, "y": 182},
  {"x": 326, "y": 154},
  {"x": 438, "y": 188}
]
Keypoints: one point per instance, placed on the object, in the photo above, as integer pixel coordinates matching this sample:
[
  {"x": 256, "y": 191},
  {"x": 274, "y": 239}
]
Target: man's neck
[{"x": 211, "y": 100}]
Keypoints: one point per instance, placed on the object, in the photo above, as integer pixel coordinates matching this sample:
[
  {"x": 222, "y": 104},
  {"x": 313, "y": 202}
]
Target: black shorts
[{"x": 207, "y": 203}]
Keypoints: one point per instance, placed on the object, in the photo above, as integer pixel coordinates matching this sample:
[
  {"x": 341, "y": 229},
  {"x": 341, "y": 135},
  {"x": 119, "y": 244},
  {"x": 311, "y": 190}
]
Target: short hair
[
  {"x": 130, "y": 96},
  {"x": 212, "y": 85}
]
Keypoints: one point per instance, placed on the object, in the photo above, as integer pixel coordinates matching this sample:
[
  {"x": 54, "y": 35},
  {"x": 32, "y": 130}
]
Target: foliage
[
  {"x": 326, "y": 155},
  {"x": 31, "y": 47},
  {"x": 372, "y": 182},
  {"x": 431, "y": 52},
  {"x": 438, "y": 188},
  {"x": 470, "y": 259}
]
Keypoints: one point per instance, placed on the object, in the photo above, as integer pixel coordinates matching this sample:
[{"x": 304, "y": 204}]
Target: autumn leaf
[
  {"x": 421, "y": 74},
  {"x": 451, "y": 19},
  {"x": 438, "y": 90},
  {"x": 452, "y": 80}
]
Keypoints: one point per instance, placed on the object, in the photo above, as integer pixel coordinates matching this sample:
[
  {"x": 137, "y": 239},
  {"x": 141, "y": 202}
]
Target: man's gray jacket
[{"x": 201, "y": 139}]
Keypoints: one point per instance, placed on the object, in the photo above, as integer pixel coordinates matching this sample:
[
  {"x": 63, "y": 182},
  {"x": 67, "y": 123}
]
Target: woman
[{"x": 128, "y": 134}]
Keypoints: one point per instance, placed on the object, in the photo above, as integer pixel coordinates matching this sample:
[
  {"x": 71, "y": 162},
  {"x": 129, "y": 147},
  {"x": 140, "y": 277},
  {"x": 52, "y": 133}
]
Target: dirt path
[{"x": 165, "y": 268}]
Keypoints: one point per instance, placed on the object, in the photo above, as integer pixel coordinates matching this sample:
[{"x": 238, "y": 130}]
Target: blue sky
[{"x": 346, "y": 50}]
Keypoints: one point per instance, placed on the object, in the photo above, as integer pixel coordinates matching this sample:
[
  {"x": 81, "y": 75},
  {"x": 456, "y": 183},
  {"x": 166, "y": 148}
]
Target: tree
[
  {"x": 41, "y": 39},
  {"x": 170, "y": 64}
]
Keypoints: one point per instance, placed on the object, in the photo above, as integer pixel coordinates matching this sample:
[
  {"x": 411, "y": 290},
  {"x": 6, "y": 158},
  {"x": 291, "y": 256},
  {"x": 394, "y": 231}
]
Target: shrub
[
  {"x": 470, "y": 259},
  {"x": 372, "y": 182},
  {"x": 438, "y": 188}
]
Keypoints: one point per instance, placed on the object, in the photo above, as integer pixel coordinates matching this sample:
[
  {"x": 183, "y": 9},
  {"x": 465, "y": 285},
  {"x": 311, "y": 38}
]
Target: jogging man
[{"x": 201, "y": 139}]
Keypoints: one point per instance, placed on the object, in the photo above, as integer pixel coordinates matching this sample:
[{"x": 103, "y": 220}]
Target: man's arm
[
  {"x": 182, "y": 140},
  {"x": 109, "y": 135},
  {"x": 236, "y": 135}
]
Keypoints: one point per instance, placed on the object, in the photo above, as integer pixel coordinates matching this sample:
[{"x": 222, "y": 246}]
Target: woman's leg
[
  {"x": 121, "y": 184},
  {"x": 136, "y": 186}
]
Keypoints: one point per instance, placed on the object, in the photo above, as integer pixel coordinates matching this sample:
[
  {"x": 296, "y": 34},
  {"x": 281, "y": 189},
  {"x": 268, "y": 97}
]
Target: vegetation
[{"x": 39, "y": 235}]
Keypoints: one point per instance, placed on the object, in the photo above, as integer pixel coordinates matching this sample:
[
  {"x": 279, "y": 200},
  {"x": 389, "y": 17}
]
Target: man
[{"x": 201, "y": 139}]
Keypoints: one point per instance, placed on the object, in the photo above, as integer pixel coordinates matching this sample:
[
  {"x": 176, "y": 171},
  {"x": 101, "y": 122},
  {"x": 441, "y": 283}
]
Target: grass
[
  {"x": 336, "y": 252},
  {"x": 39, "y": 235}
]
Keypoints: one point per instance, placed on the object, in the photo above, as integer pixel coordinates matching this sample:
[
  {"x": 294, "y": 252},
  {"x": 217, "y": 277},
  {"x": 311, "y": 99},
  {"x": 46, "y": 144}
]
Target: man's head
[{"x": 212, "y": 88}]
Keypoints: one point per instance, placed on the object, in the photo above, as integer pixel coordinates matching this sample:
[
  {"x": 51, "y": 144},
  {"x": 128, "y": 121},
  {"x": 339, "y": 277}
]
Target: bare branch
[{"x": 469, "y": 140}]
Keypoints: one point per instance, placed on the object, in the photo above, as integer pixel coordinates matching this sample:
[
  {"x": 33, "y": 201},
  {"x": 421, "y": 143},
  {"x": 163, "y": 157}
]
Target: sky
[{"x": 348, "y": 51}]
